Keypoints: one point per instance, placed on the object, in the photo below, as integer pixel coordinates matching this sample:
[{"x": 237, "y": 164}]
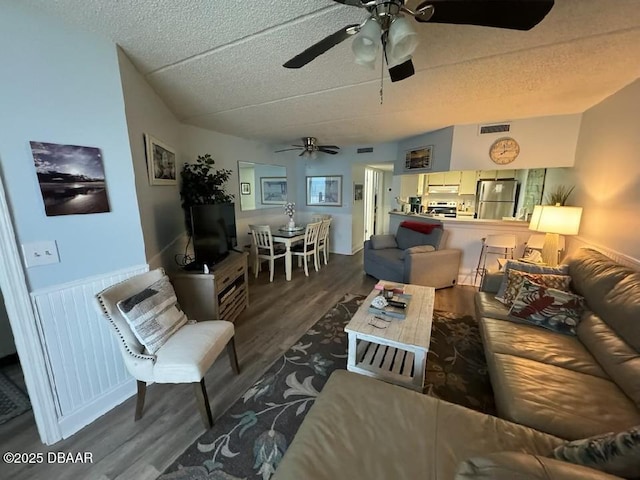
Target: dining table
[{"x": 287, "y": 237}]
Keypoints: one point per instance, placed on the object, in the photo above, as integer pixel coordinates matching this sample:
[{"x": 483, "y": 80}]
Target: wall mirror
[{"x": 261, "y": 185}]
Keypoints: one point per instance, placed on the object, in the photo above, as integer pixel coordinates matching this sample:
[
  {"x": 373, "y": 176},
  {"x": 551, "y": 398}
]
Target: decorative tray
[{"x": 286, "y": 228}]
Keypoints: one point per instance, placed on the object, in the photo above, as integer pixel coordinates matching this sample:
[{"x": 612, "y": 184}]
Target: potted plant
[
  {"x": 559, "y": 195},
  {"x": 202, "y": 184}
]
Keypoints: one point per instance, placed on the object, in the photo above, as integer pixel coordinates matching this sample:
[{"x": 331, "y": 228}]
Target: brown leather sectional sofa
[
  {"x": 566, "y": 387},
  {"x": 569, "y": 386}
]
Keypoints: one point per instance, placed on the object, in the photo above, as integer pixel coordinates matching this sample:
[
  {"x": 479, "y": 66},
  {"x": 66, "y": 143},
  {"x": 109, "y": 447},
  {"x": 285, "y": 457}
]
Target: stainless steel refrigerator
[{"x": 496, "y": 198}]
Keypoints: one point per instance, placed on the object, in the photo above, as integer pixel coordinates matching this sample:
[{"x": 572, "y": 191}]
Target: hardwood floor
[{"x": 278, "y": 314}]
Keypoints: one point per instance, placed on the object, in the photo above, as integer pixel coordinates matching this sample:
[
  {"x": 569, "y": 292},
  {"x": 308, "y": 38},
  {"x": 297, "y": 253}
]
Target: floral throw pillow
[
  {"x": 615, "y": 453},
  {"x": 548, "y": 308},
  {"x": 515, "y": 278}
]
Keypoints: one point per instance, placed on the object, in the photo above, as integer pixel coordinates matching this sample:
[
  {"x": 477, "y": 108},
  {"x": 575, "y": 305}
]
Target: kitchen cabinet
[
  {"x": 452, "y": 178},
  {"x": 495, "y": 174},
  {"x": 436, "y": 178},
  {"x": 468, "y": 182},
  {"x": 409, "y": 186}
]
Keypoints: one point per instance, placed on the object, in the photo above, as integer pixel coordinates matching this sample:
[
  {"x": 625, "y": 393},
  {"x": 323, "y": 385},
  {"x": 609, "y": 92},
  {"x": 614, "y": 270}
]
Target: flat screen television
[{"x": 214, "y": 233}]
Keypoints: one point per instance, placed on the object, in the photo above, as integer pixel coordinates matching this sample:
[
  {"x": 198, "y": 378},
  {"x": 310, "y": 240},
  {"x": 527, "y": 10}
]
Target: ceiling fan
[
  {"x": 388, "y": 26},
  {"x": 310, "y": 148}
]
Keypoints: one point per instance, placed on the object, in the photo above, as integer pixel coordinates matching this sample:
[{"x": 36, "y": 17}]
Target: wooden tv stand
[{"x": 221, "y": 294}]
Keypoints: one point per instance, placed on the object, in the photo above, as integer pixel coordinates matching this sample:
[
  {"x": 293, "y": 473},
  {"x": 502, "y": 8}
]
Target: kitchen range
[{"x": 447, "y": 209}]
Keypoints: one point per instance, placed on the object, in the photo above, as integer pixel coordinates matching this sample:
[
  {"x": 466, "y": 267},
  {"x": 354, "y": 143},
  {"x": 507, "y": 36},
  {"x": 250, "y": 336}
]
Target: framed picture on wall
[
  {"x": 245, "y": 188},
  {"x": 419, "y": 158},
  {"x": 71, "y": 178},
  {"x": 325, "y": 191},
  {"x": 273, "y": 190},
  {"x": 161, "y": 162}
]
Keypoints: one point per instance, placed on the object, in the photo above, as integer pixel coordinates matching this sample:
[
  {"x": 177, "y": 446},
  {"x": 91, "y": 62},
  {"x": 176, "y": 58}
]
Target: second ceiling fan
[
  {"x": 310, "y": 147},
  {"x": 388, "y": 26}
]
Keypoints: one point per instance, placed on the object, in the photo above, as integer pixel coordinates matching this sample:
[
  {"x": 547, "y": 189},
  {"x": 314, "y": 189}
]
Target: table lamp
[{"x": 554, "y": 220}]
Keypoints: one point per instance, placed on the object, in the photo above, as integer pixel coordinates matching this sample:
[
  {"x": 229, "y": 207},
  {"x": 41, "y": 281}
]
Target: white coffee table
[{"x": 397, "y": 352}]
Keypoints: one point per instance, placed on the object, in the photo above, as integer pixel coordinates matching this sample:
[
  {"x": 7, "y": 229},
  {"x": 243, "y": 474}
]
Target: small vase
[{"x": 292, "y": 224}]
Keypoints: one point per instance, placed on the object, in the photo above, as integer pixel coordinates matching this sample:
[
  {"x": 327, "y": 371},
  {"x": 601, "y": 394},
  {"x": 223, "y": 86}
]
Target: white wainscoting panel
[{"x": 85, "y": 366}]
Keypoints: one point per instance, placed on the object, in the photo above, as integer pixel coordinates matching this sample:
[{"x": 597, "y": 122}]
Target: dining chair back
[
  {"x": 323, "y": 240},
  {"x": 307, "y": 248},
  {"x": 187, "y": 349},
  {"x": 264, "y": 248}
]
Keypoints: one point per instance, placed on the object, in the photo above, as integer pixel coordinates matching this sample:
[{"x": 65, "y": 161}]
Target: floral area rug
[{"x": 249, "y": 440}]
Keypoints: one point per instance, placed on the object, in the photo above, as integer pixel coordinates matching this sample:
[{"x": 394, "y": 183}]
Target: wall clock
[{"x": 504, "y": 150}]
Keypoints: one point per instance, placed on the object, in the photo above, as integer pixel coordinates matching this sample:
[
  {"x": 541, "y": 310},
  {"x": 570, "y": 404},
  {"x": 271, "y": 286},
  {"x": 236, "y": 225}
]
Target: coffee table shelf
[{"x": 396, "y": 353}]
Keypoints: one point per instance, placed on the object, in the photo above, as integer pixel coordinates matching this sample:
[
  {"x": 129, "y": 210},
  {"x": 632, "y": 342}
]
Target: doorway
[{"x": 371, "y": 202}]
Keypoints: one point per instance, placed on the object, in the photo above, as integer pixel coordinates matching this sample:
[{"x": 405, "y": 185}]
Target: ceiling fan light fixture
[
  {"x": 366, "y": 43},
  {"x": 402, "y": 41}
]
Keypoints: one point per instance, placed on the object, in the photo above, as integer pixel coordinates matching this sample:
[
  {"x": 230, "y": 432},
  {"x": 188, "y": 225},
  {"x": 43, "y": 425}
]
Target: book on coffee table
[{"x": 397, "y": 287}]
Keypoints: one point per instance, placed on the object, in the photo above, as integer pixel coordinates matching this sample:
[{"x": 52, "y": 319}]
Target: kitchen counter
[{"x": 462, "y": 219}]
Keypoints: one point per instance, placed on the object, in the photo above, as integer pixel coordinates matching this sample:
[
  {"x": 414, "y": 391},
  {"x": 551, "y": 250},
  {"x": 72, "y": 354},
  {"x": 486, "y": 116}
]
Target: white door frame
[{"x": 23, "y": 323}]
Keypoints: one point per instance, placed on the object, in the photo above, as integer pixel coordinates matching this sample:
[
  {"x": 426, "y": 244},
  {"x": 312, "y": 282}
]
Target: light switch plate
[{"x": 40, "y": 253}]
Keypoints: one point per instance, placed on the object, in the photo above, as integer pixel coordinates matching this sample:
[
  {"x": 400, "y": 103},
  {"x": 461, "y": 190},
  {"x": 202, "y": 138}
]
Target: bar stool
[{"x": 504, "y": 244}]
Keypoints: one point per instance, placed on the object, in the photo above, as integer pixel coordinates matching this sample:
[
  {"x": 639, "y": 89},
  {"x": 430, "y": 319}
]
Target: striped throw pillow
[{"x": 153, "y": 314}]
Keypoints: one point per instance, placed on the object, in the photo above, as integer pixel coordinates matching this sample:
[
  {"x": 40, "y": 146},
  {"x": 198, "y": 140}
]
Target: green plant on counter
[
  {"x": 559, "y": 195},
  {"x": 202, "y": 184}
]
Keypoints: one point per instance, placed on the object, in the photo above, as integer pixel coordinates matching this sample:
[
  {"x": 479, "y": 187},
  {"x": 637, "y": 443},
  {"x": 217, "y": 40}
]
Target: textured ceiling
[{"x": 217, "y": 65}]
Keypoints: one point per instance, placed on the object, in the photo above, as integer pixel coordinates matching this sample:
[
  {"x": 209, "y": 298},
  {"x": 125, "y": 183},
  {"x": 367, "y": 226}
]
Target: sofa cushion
[
  {"x": 611, "y": 290},
  {"x": 383, "y": 241},
  {"x": 616, "y": 453},
  {"x": 361, "y": 428},
  {"x": 487, "y": 306},
  {"x": 529, "y": 268},
  {"x": 538, "y": 344},
  {"x": 407, "y": 238},
  {"x": 516, "y": 278},
  {"x": 390, "y": 259},
  {"x": 556, "y": 400},
  {"x": 617, "y": 358},
  {"x": 547, "y": 308},
  {"x": 417, "y": 249},
  {"x": 522, "y": 466}
]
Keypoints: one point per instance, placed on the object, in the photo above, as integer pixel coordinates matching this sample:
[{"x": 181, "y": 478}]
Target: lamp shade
[
  {"x": 403, "y": 41},
  {"x": 366, "y": 43},
  {"x": 556, "y": 219}
]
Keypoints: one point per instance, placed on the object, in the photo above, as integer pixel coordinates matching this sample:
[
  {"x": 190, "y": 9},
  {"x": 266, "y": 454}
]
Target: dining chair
[
  {"x": 307, "y": 248},
  {"x": 323, "y": 241},
  {"x": 158, "y": 343},
  {"x": 264, "y": 248}
]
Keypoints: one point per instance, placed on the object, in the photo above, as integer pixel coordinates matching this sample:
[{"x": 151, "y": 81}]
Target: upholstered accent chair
[
  {"x": 415, "y": 254},
  {"x": 187, "y": 351}
]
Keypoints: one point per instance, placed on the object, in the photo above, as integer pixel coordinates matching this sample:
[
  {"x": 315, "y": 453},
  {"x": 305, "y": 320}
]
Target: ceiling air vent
[
  {"x": 497, "y": 128},
  {"x": 365, "y": 150}
]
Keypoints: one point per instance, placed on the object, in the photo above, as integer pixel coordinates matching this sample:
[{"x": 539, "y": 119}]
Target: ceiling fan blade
[
  {"x": 401, "y": 71},
  {"x": 302, "y": 153},
  {"x": 353, "y": 3},
  {"x": 334, "y": 147},
  {"x": 513, "y": 14},
  {"x": 323, "y": 150},
  {"x": 287, "y": 149},
  {"x": 322, "y": 46}
]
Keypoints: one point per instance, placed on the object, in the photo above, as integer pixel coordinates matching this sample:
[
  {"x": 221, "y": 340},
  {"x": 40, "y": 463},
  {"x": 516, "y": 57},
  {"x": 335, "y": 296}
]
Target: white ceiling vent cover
[
  {"x": 496, "y": 128},
  {"x": 365, "y": 150}
]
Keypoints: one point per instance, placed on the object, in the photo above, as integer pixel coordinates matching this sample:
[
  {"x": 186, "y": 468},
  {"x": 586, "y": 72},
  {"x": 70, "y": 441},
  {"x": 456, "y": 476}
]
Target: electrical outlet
[{"x": 40, "y": 253}]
